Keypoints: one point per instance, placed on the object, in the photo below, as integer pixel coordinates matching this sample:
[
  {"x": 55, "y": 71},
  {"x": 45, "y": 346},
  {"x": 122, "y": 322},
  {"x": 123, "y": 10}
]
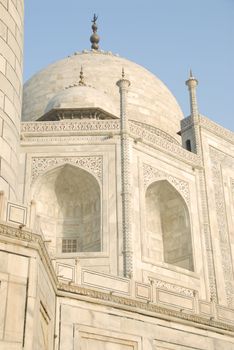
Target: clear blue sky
[{"x": 165, "y": 36}]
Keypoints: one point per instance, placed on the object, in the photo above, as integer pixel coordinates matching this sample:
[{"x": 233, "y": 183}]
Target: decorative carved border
[
  {"x": 174, "y": 288},
  {"x": 93, "y": 164},
  {"x": 219, "y": 160},
  {"x": 151, "y": 174},
  {"x": 176, "y": 150},
  {"x": 156, "y": 131},
  {"x": 70, "y": 126},
  {"x": 206, "y": 242}
]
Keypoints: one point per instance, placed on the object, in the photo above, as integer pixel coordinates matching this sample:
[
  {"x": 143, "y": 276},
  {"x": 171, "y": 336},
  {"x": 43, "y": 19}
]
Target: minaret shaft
[
  {"x": 192, "y": 85},
  {"x": 123, "y": 85}
]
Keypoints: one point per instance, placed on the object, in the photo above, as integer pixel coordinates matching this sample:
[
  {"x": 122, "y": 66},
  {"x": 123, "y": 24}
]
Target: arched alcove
[
  {"x": 68, "y": 210},
  {"x": 168, "y": 226}
]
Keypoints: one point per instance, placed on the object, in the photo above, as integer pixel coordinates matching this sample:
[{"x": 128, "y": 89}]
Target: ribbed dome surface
[{"x": 149, "y": 100}]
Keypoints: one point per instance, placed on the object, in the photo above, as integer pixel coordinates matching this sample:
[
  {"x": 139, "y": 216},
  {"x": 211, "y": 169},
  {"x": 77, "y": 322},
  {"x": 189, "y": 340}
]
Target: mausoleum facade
[{"x": 117, "y": 212}]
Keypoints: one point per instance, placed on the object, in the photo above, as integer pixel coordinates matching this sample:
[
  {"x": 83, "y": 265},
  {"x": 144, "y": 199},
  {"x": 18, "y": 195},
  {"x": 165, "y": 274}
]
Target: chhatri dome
[{"x": 149, "y": 100}]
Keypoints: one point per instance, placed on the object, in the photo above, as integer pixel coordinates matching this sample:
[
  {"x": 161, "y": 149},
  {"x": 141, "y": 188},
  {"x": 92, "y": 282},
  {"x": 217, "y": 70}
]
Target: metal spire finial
[
  {"x": 123, "y": 73},
  {"x": 81, "y": 81},
  {"x": 94, "y": 39},
  {"x": 190, "y": 73}
]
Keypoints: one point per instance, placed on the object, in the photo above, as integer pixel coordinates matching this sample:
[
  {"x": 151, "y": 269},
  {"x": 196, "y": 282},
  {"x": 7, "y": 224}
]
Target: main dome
[{"x": 149, "y": 100}]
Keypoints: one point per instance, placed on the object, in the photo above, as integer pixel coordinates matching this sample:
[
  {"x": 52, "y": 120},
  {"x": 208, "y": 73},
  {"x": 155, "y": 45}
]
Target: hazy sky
[{"x": 165, "y": 36}]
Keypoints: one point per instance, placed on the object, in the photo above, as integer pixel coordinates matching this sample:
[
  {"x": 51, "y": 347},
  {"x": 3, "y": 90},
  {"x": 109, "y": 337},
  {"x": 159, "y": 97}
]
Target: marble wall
[{"x": 11, "y": 66}]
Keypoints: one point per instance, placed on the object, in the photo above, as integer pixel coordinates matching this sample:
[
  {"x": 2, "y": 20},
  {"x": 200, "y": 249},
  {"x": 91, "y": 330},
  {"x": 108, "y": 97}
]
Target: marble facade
[{"x": 120, "y": 234}]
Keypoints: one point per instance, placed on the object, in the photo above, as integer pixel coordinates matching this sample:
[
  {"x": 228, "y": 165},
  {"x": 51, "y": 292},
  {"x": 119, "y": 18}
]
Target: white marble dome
[
  {"x": 149, "y": 100},
  {"x": 82, "y": 97}
]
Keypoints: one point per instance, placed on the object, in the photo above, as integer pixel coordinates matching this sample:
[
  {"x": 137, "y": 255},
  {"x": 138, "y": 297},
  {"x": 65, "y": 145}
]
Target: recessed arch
[
  {"x": 68, "y": 210},
  {"x": 168, "y": 226}
]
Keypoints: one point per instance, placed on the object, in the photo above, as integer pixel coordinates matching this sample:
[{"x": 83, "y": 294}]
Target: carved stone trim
[
  {"x": 174, "y": 288},
  {"x": 151, "y": 174},
  {"x": 177, "y": 150},
  {"x": 207, "y": 243},
  {"x": 63, "y": 139},
  {"x": 93, "y": 164},
  {"x": 156, "y": 131},
  {"x": 220, "y": 160},
  {"x": 70, "y": 125}
]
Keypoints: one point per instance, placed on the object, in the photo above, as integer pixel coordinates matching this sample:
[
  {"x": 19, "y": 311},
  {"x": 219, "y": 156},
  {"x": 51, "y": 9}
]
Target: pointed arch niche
[
  {"x": 168, "y": 226},
  {"x": 68, "y": 210}
]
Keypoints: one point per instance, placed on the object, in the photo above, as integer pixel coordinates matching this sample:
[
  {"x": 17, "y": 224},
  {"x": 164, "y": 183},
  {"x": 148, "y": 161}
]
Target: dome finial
[
  {"x": 94, "y": 39},
  {"x": 81, "y": 81}
]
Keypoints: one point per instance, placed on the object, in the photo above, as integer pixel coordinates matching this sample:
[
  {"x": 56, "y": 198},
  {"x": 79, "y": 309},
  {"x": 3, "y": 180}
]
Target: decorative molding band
[
  {"x": 151, "y": 174},
  {"x": 173, "y": 288},
  {"x": 93, "y": 164},
  {"x": 70, "y": 126},
  {"x": 67, "y": 140},
  {"x": 220, "y": 160},
  {"x": 177, "y": 151},
  {"x": 156, "y": 131}
]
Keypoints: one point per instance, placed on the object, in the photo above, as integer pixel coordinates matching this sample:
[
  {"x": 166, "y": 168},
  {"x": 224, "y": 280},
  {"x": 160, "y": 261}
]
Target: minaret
[
  {"x": 11, "y": 69},
  {"x": 123, "y": 85},
  {"x": 192, "y": 85},
  {"x": 191, "y": 135}
]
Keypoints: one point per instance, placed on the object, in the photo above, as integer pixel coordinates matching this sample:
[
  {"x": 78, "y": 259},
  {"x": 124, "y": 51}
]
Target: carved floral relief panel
[{"x": 93, "y": 164}]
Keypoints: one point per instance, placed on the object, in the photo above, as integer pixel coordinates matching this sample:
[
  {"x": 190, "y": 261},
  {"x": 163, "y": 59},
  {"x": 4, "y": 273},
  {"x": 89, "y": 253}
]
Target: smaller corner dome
[{"x": 82, "y": 97}]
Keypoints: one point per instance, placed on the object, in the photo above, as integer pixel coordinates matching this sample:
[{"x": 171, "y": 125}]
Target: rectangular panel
[
  {"x": 143, "y": 291},
  {"x": 106, "y": 282},
  {"x": 205, "y": 308},
  {"x": 225, "y": 314},
  {"x": 14, "y": 322},
  {"x": 16, "y": 213},
  {"x": 89, "y": 338},
  {"x": 66, "y": 272},
  {"x": 176, "y": 300}
]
